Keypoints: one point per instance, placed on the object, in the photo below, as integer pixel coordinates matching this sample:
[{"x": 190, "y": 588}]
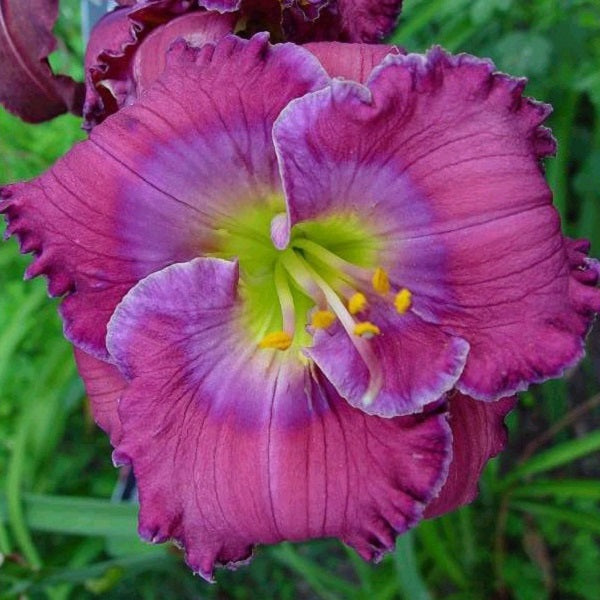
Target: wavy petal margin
[
  {"x": 152, "y": 184},
  {"x": 233, "y": 446},
  {"x": 441, "y": 156},
  {"x": 368, "y": 21},
  {"x": 478, "y": 434},
  {"x": 415, "y": 362},
  {"x": 128, "y": 48},
  {"x": 28, "y": 88}
]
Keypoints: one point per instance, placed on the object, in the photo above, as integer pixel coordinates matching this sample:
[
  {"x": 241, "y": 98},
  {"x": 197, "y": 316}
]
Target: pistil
[{"x": 346, "y": 271}]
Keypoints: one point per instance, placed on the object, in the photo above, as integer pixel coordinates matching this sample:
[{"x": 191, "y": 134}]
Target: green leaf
[
  {"x": 76, "y": 516},
  {"x": 586, "y": 521},
  {"x": 523, "y": 53},
  {"x": 407, "y": 571},
  {"x": 441, "y": 553},
  {"x": 324, "y": 583},
  {"x": 587, "y": 489},
  {"x": 557, "y": 456}
]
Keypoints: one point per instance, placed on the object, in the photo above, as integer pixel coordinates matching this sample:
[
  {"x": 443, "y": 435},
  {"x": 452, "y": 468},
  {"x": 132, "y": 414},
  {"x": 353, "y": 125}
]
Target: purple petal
[
  {"x": 368, "y": 20},
  {"x": 233, "y": 446},
  {"x": 350, "y": 61},
  {"x": 104, "y": 385},
  {"x": 195, "y": 28},
  {"x": 221, "y": 6},
  {"x": 416, "y": 362},
  {"x": 28, "y": 88},
  {"x": 344, "y": 20},
  {"x": 439, "y": 155},
  {"x": 127, "y": 50},
  {"x": 146, "y": 189},
  {"x": 478, "y": 434},
  {"x": 108, "y": 58}
]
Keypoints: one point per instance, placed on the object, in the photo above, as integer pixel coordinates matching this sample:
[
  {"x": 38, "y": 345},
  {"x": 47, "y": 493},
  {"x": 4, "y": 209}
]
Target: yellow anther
[
  {"x": 280, "y": 340},
  {"x": 322, "y": 319},
  {"x": 357, "y": 303},
  {"x": 380, "y": 281},
  {"x": 366, "y": 329},
  {"x": 403, "y": 300}
]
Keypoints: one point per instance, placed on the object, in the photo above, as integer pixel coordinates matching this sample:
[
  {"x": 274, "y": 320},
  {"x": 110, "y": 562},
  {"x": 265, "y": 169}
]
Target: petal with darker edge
[
  {"x": 151, "y": 184},
  {"x": 441, "y": 156},
  {"x": 408, "y": 365},
  {"x": 234, "y": 446}
]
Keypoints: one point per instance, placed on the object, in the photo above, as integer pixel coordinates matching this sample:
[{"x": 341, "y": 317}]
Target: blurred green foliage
[{"x": 532, "y": 533}]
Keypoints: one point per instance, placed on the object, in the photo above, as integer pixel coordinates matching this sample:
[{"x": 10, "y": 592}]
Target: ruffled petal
[
  {"x": 439, "y": 156},
  {"x": 127, "y": 50},
  {"x": 233, "y": 446},
  {"x": 478, "y": 434},
  {"x": 28, "y": 88},
  {"x": 151, "y": 185},
  {"x": 366, "y": 21},
  {"x": 104, "y": 385},
  {"x": 410, "y": 364},
  {"x": 195, "y": 28},
  {"x": 221, "y": 6}
]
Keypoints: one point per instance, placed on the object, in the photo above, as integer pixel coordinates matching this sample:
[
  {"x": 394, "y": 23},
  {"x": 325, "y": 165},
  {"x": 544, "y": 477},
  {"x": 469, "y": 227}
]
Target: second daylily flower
[{"x": 277, "y": 281}]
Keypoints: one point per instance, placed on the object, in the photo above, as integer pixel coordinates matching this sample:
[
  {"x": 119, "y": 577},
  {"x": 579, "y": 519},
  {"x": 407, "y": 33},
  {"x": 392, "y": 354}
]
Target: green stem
[
  {"x": 4, "y": 540},
  {"x": 14, "y": 480}
]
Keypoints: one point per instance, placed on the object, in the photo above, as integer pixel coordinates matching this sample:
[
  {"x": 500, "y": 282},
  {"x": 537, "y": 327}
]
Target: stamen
[
  {"x": 322, "y": 319},
  {"x": 301, "y": 271},
  {"x": 279, "y": 340},
  {"x": 286, "y": 300},
  {"x": 357, "y": 303},
  {"x": 381, "y": 281},
  {"x": 403, "y": 301},
  {"x": 366, "y": 330}
]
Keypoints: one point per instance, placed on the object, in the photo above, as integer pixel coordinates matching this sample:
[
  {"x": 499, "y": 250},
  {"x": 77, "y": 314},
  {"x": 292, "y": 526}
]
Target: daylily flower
[
  {"x": 116, "y": 65},
  {"x": 302, "y": 304}
]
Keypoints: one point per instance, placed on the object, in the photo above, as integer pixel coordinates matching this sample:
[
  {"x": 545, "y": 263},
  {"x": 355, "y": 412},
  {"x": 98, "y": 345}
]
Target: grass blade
[
  {"x": 324, "y": 583},
  {"x": 582, "y": 489},
  {"x": 556, "y": 457},
  {"x": 409, "y": 578},
  {"x": 586, "y": 521},
  {"x": 77, "y": 516}
]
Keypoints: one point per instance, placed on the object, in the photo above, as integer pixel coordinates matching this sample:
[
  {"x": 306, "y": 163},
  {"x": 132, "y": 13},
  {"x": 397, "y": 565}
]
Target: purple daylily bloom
[
  {"x": 301, "y": 303},
  {"x": 28, "y": 88}
]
